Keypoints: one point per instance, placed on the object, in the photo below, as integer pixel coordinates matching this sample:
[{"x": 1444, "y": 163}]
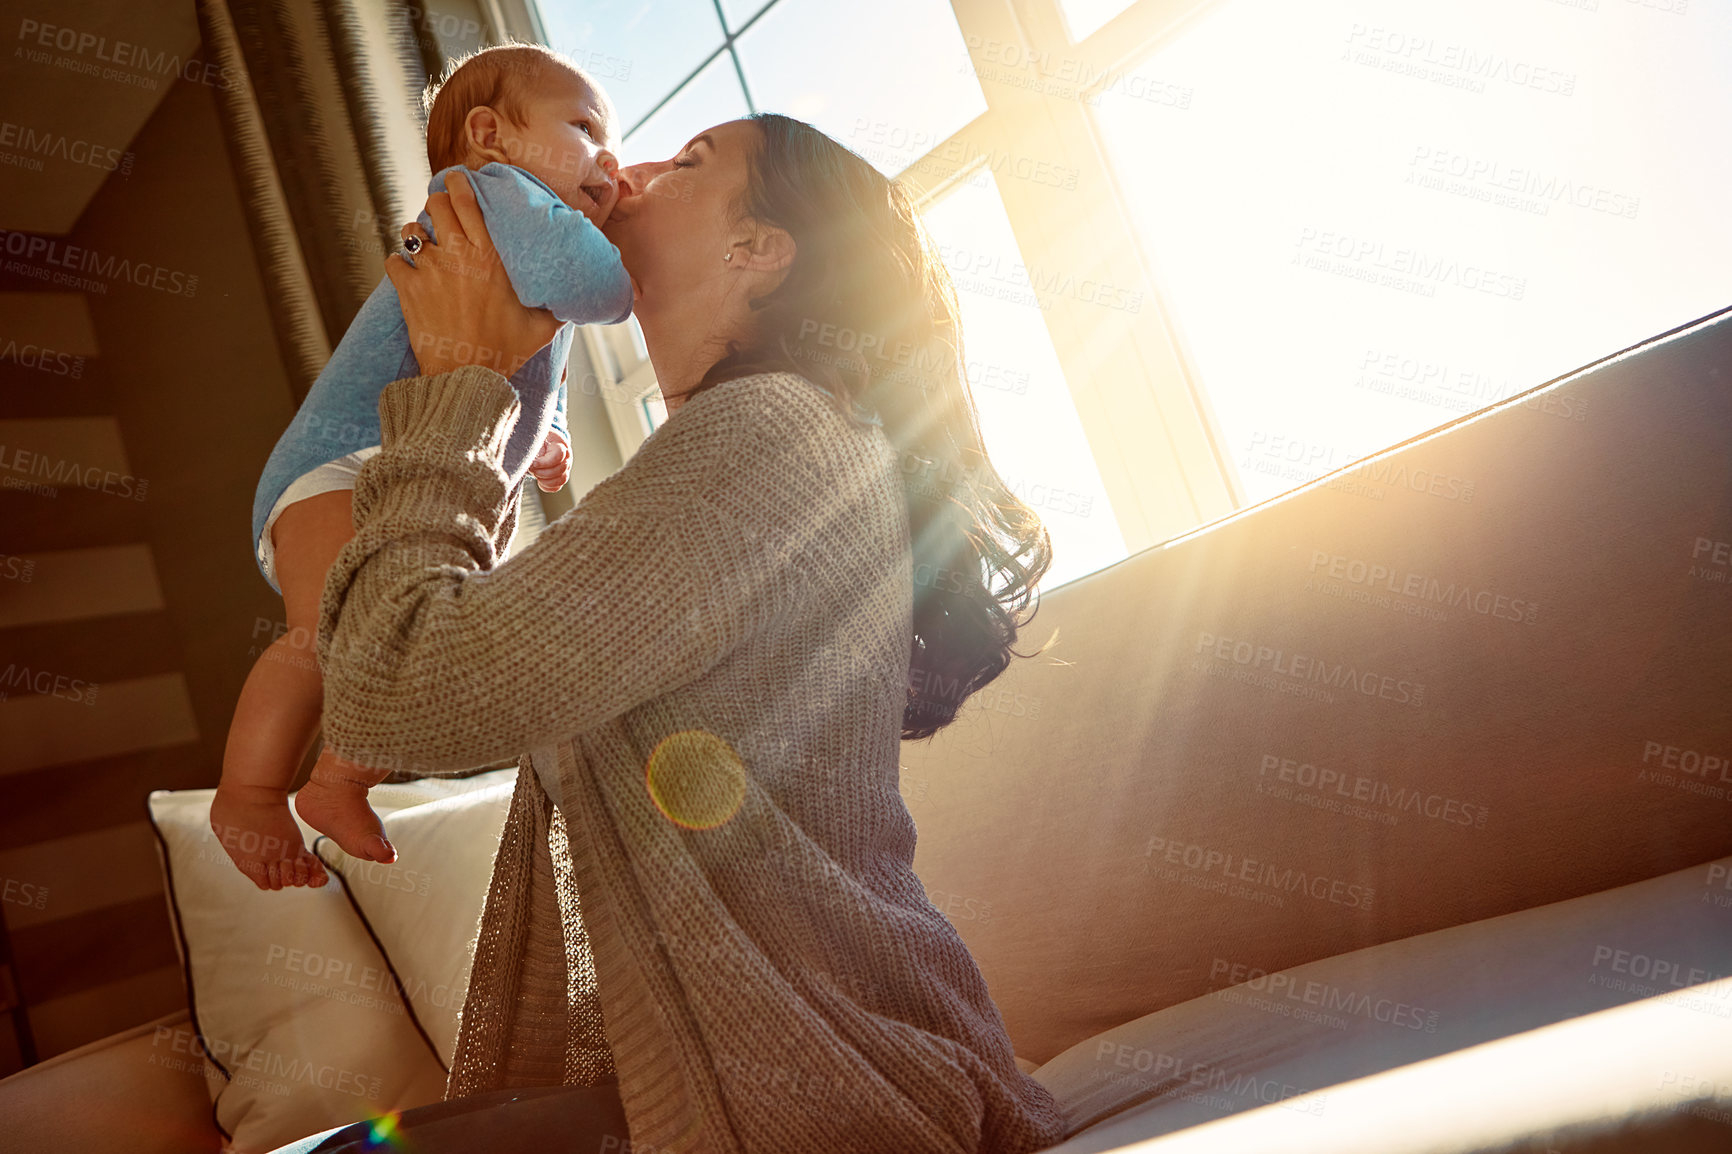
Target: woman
[{"x": 711, "y": 662}]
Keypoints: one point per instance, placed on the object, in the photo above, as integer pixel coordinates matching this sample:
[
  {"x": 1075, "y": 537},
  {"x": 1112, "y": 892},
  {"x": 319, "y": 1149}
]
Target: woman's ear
[
  {"x": 765, "y": 250},
  {"x": 485, "y": 134}
]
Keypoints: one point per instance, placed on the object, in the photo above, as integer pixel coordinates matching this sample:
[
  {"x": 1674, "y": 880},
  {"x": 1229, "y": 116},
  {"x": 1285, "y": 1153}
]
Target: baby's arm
[
  {"x": 556, "y": 258},
  {"x": 559, "y": 404}
]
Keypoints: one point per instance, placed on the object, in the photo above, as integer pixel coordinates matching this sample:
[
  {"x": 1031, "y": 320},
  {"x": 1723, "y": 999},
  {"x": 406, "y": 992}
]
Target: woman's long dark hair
[{"x": 868, "y": 311}]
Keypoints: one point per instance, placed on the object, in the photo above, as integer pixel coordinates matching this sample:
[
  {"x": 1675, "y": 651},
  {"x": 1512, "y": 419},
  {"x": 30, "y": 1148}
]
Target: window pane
[
  {"x": 740, "y": 11},
  {"x": 638, "y": 49},
  {"x": 1029, "y": 423},
  {"x": 712, "y": 97},
  {"x": 1371, "y": 219},
  {"x": 891, "y": 79},
  {"x": 1082, "y": 17}
]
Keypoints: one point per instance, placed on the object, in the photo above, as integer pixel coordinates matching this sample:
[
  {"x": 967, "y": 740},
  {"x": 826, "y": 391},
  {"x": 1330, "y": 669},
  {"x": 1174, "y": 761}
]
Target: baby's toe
[
  {"x": 309, "y": 870},
  {"x": 258, "y": 873}
]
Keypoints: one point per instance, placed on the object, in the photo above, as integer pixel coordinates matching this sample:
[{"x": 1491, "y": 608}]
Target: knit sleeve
[{"x": 437, "y": 657}]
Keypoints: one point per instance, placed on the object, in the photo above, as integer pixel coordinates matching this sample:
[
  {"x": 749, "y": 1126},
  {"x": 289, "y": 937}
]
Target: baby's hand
[{"x": 552, "y": 466}]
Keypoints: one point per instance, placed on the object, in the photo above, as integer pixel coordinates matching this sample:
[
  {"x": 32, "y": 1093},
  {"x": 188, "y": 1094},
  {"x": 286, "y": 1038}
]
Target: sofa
[{"x": 1391, "y": 814}]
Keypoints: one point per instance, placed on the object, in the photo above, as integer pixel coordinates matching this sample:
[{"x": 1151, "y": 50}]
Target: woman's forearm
[{"x": 437, "y": 658}]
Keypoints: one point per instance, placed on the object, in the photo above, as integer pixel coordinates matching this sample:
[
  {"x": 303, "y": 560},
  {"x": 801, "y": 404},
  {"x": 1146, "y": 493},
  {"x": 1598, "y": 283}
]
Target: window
[
  {"x": 1084, "y": 17},
  {"x": 639, "y": 50},
  {"x": 1234, "y": 245},
  {"x": 890, "y": 79},
  {"x": 1028, "y": 421},
  {"x": 1447, "y": 204},
  {"x": 738, "y": 12},
  {"x": 712, "y": 96}
]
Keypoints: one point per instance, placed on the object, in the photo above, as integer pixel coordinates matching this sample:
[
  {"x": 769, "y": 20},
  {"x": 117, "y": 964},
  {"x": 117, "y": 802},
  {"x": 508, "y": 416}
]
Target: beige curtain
[{"x": 326, "y": 134}]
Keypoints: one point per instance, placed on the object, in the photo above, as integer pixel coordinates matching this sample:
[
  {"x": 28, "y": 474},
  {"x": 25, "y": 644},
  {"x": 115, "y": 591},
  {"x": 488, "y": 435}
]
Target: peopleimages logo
[
  {"x": 1161, "y": 1067},
  {"x": 1326, "y": 996},
  {"x": 1471, "y": 67},
  {"x": 1367, "y": 258},
  {"x": 1657, "y": 973},
  {"x": 1376, "y": 575},
  {"x": 238, "y": 1059},
  {"x": 43, "y": 359},
  {"x": 91, "y": 54},
  {"x": 26, "y": 894},
  {"x": 35, "y": 144},
  {"x": 52, "y": 472},
  {"x": 1304, "y": 668},
  {"x": 1496, "y": 176},
  {"x": 60, "y": 257},
  {"x": 46, "y": 684},
  {"x": 1289, "y": 771},
  {"x": 1232, "y": 867}
]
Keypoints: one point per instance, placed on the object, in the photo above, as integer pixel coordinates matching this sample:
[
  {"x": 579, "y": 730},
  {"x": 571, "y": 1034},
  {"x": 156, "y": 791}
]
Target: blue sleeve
[
  {"x": 556, "y": 259},
  {"x": 559, "y": 406}
]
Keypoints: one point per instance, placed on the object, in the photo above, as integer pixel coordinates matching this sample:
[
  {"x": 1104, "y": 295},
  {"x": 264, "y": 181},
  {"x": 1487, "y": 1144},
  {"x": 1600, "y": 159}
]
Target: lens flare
[
  {"x": 384, "y": 1131},
  {"x": 696, "y": 779}
]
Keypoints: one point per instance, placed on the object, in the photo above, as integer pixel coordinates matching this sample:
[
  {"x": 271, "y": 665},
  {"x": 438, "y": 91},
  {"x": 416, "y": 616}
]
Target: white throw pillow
[
  {"x": 424, "y": 909},
  {"x": 290, "y": 996}
]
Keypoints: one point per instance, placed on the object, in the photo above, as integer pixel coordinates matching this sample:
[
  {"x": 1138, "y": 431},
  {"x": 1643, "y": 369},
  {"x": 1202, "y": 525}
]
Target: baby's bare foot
[
  {"x": 255, "y": 828},
  {"x": 334, "y": 802}
]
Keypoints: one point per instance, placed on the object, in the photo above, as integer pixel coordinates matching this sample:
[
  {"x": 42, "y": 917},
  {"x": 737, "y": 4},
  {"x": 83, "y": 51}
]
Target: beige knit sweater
[{"x": 704, "y": 664}]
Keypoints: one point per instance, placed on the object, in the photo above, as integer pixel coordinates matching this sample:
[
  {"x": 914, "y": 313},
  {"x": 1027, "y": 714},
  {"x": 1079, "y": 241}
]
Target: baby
[{"x": 532, "y": 133}]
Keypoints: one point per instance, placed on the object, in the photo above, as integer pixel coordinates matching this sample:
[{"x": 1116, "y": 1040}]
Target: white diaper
[{"x": 331, "y": 476}]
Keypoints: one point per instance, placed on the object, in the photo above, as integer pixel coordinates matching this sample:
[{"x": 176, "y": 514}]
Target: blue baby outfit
[{"x": 555, "y": 258}]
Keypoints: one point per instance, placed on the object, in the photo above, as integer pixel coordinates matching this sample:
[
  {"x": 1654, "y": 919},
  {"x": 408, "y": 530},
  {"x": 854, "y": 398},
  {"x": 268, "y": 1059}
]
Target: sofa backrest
[{"x": 1484, "y": 670}]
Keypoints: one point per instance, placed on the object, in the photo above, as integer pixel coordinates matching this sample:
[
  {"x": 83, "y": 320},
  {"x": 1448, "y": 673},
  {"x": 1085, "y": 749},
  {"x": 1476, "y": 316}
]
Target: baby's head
[{"x": 526, "y": 105}]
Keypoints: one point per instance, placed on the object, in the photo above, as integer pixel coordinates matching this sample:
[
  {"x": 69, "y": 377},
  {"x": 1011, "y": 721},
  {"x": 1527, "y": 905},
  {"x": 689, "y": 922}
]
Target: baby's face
[{"x": 565, "y": 141}]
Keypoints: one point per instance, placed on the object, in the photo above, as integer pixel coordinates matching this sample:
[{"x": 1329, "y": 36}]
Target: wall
[{"x": 146, "y": 591}]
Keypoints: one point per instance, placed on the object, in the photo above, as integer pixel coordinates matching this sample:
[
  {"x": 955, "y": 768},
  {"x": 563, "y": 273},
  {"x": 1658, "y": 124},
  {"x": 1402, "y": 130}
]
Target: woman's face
[{"x": 672, "y": 221}]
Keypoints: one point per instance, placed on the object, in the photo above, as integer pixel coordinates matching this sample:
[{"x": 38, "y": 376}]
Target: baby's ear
[{"x": 485, "y": 134}]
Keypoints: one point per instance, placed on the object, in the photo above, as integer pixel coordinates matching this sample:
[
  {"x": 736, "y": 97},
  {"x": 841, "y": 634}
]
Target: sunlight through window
[
  {"x": 639, "y": 50},
  {"x": 1372, "y": 218},
  {"x": 1083, "y": 17},
  {"x": 711, "y": 98},
  {"x": 890, "y": 80},
  {"x": 1028, "y": 421}
]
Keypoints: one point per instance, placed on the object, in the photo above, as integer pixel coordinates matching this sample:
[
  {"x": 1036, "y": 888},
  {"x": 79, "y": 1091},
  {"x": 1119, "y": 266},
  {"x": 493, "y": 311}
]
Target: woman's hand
[{"x": 457, "y": 301}]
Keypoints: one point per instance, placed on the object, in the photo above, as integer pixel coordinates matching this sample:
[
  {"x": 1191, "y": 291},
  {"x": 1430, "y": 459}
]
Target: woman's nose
[{"x": 633, "y": 179}]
